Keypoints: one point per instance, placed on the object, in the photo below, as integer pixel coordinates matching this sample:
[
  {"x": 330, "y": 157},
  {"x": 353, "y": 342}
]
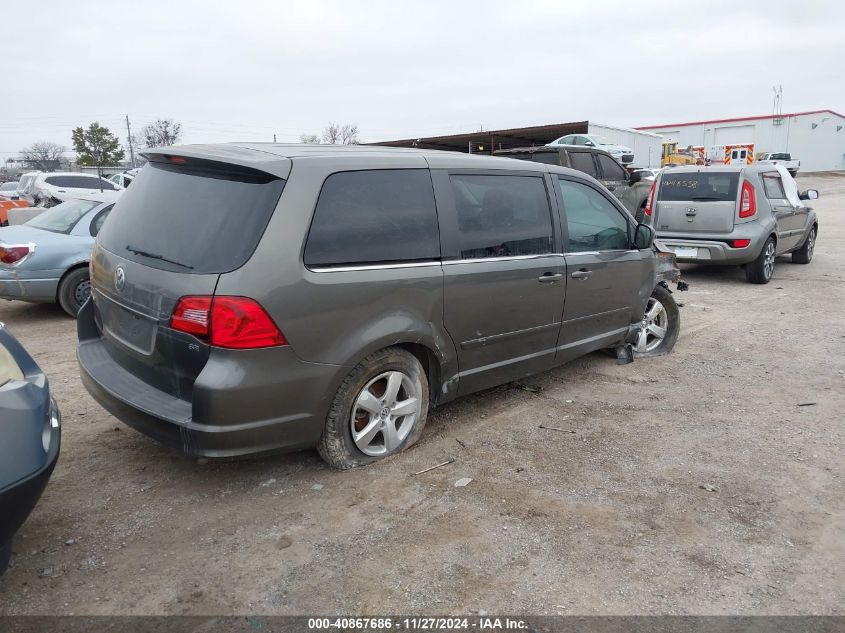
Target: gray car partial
[
  {"x": 734, "y": 215},
  {"x": 252, "y": 298}
]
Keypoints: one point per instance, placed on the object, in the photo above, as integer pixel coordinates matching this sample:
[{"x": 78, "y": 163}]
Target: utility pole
[
  {"x": 129, "y": 139},
  {"x": 274, "y": 138}
]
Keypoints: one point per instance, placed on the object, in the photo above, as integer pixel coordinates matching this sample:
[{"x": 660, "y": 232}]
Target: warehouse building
[{"x": 816, "y": 138}]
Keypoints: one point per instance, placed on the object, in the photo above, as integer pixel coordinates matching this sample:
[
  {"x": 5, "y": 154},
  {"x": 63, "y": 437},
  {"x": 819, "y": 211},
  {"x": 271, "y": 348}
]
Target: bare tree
[
  {"x": 43, "y": 155},
  {"x": 331, "y": 134},
  {"x": 161, "y": 133},
  {"x": 313, "y": 139},
  {"x": 349, "y": 134}
]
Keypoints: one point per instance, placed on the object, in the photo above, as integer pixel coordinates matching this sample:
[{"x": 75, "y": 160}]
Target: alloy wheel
[
  {"x": 769, "y": 260},
  {"x": 385, "y": 413},
  {"x": 654, "y": 326}
]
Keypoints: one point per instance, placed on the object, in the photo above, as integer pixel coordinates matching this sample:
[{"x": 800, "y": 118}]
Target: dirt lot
[{"x": 612, "y": 519}]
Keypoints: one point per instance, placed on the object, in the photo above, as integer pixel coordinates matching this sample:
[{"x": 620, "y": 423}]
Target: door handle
[
  {"x": 547, "y": 278},
  {"x": 582, "y": 274}
]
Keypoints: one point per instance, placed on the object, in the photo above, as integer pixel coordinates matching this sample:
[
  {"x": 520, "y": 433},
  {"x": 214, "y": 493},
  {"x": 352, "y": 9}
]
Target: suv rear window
[
  {"x": 699, "y": 186},
  {"x": 79, "y": 182},
  {"x": 192, "y": 220},
  {"x": 374, "y": 216},
  {"x": 583, "y": 161}
]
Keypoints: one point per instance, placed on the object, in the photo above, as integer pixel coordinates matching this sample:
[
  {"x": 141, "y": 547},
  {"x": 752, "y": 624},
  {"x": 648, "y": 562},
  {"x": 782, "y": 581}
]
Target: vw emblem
[
  {"x": 691, "y": 211},
  {"x": 119, "y": 279}
]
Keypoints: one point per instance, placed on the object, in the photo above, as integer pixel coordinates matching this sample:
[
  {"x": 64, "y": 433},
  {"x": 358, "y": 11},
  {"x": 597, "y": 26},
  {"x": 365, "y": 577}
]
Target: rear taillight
[
  {"x": 231, "y": 322},
  {"x": 740, "y": 243},
  {"x": 747, "y": 201},
  {"x": 14, "y": 254},
  {"x": 649, "y": 203}
]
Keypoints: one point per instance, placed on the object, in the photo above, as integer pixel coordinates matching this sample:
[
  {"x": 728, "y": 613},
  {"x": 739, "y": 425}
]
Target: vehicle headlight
[
  {"x": 9, "y": 369},
  {"x": 51, "y": 421}
]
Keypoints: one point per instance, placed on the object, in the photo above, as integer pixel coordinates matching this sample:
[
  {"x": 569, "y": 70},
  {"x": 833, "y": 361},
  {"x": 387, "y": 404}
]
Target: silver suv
[
  {"x": 256, "y": 298},
  {"x": 738, "y": 215}
]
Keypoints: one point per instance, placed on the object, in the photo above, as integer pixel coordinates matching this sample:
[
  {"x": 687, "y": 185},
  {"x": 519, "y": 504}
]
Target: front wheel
[
  {"x": 760, "y": 271},
  {"x": 379, "y": 410},
  {"x": 661, "y": 325},
  {"x": 804, "y": 254}
]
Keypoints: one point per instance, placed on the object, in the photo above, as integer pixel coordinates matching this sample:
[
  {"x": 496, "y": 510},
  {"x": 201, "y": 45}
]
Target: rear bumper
[
  {"x": 244, "y": 402},
  {"x": 15, "y": 284},
  {"x": 710, "y": 251}
]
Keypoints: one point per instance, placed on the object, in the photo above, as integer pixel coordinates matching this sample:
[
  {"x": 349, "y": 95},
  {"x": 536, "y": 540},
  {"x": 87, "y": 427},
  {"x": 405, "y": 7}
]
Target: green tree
[{"x": 96, "y": 146}]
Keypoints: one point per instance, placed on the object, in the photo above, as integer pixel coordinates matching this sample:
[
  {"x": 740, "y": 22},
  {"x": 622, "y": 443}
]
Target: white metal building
[{"x": 816, "y": 138}]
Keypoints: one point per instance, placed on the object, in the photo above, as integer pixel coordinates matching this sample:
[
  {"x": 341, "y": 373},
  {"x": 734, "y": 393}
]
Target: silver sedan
[{"x": 46, "y": 259}]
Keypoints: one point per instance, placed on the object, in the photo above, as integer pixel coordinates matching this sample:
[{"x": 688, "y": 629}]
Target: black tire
[
  {"x": 337, "y": 446},
  {"x": 760, "y": 271},
  {"x": 74, "y": 290},
  {"x": 654, "y": 346},
  {"x": 5, "y": 556},
  {"x": 804, "y": 255}
]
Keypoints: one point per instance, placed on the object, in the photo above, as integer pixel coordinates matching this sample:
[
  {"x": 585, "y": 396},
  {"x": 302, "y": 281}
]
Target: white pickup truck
[{"x": 780, "y": 158}]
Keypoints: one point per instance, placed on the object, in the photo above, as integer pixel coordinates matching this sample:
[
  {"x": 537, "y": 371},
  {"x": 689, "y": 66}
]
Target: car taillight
[
  {"x": 649, "y": 205},
  {"x": 741, "y": 243},
  {"x": 13, "y": 254},
  {"x": 231, "y": 322},
  {"x": 747, "y": 201}
]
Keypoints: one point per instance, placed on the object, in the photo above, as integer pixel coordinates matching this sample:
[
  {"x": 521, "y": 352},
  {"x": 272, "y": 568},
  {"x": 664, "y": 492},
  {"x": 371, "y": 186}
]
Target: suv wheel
[
  {"x": 760, "y": 271},
  {"x": 379, "y": 410},
  {"x": 804, "y": 254},
  {"x": 74, "y": 290},
  {"x": 660, "y": 326}
]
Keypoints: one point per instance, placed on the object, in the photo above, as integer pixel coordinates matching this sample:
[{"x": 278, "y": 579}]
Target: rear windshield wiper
[{"x": 142, "y": 253}]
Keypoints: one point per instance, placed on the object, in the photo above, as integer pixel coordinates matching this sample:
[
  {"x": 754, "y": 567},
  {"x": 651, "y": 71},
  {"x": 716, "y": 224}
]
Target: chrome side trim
[
  {"x": 452, "y": 262},
  {"x": 346, "y": 269}
]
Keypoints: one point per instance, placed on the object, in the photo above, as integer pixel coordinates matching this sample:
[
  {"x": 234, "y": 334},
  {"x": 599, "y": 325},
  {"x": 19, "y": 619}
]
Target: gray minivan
[{"x": 253, "y": 298}]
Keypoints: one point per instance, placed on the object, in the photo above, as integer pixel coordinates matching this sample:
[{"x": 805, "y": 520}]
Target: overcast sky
[{"x": 241, "y": 70}]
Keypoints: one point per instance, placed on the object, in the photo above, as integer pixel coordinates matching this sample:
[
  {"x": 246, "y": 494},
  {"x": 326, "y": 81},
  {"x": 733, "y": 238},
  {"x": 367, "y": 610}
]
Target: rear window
[
  {"x": 374, "y": 216},
  {"x": 206, "y": 220},
  {"x": 547, "y": 158},
  {"x": 699, "y": 186},
  {"x": 63, "y": 217}
]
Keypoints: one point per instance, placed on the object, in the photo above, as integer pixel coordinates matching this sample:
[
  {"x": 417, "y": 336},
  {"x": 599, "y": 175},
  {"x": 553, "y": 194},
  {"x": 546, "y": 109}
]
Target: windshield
[
  {"x": 601, "y": 140},
  {"x": 203, "y": 220},
  {"x": 699, "y": 186},
  {"x": 63, "y": 217}
]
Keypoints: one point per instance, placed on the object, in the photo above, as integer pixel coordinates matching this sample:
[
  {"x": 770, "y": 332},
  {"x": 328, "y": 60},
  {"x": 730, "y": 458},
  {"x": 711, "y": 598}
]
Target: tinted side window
[
  {"x": 773, "y": 187},
  {"x": 583, "y": 161},
  {"x": 381, "y": 215},
  {"x": 97, "y": 222},
  {"x": 594, "y": 224},
  {"x": 547, "y": 158},
  {"x": 611, "y": 170},
  {"x": 502, "y": 216}
]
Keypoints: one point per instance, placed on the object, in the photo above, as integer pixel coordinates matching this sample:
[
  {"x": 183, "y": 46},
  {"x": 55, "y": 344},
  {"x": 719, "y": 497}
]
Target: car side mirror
[
  {"x": 810, "y": 194},
  {"x": 636, "y": 177},
  {"x": 590, "y": 144},
  {"x": 643, "y": 237}
]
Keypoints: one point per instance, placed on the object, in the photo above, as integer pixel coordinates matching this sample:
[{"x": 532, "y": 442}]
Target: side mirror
[
  {"x": 643, "y": 237},
  {"x": 636, "y": 177},
  {"x": 810, "y": 194},
  {"x": 589, "y": 144}
]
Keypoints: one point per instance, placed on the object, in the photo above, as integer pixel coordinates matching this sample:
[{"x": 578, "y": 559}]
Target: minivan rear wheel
[
  {"x": 379, "y": 410},
  {"x": 760, "y": 271},
  {"x": 74, "y": 290}
]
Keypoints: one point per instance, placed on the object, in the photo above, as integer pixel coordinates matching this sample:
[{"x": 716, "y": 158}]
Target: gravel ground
[{"x": 693, "y": 483}]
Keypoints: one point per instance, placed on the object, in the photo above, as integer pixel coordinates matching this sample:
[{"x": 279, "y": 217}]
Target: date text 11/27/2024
[{"x": 418, "y": 624}]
